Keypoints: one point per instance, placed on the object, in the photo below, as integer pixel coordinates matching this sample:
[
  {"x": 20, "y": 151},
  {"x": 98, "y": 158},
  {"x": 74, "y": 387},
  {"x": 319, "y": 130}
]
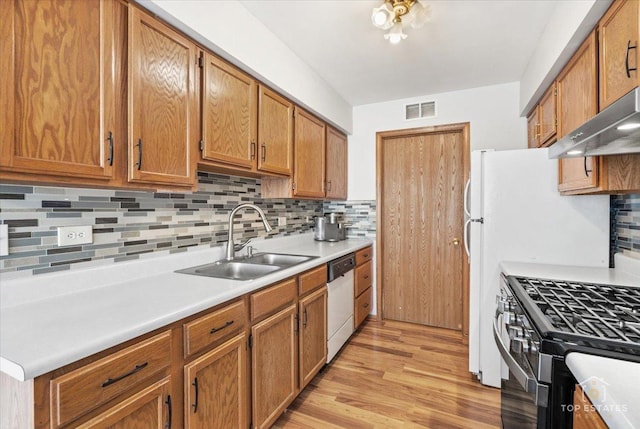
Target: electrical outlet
[
  {"x": 72, "y": 235},
  {"x": 282, "y": 220},
  {"x": 4, "y": 240}
]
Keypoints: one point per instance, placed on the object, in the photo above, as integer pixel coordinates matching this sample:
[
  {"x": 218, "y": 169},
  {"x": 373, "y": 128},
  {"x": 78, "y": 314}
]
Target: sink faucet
[{"x": 267, "y": 227}]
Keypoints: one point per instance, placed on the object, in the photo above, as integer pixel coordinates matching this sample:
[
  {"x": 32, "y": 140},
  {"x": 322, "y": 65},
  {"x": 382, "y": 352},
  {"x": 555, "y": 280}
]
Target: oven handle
[{"x": 529, "y": 384}]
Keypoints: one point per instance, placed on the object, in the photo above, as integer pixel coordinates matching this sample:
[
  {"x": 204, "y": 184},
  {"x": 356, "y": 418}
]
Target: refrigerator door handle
[
  {"x": 466, "y": 238},
  {"x": 466, "y": 198}
]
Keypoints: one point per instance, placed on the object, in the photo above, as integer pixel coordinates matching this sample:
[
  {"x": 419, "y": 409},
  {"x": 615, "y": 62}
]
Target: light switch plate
[
  {"x": 4, "y": 240},
  {"x": 72, "y": 235}
]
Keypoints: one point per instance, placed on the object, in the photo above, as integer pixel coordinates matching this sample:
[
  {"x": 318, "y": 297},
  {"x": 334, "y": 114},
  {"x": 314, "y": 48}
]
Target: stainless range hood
[{"x": 614, "y": 131}]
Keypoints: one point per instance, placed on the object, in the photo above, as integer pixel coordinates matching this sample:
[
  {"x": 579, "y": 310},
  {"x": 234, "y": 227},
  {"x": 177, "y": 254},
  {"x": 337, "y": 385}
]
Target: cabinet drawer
[
  {"x": 270, "y": 299},
  {"x": 213, "y": 327},
  {"x": 363, "y": 278},
  {"x": 84, "y": 389},
  {"x": 364, "y": 255},
  {"x": 312, "y": 279},
  {"x": 363, "y": 306}
]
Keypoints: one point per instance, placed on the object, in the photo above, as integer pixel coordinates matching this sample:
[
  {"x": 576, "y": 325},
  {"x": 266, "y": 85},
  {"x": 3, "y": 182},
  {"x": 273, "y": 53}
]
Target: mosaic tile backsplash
[
  {"x": 127, "y": 224},
  {"x": 625, "y": 224},
  {"x": 360, "y": 216}
]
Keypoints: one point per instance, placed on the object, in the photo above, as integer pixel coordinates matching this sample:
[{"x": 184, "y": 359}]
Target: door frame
[{"x": 464, "y": 128}]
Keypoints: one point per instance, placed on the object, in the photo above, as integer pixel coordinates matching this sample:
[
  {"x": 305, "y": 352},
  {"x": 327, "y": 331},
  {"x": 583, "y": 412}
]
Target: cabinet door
[
  {"x": 217, "y": 387},
  {"x": 547, "y": 118},
  {"x": 309, "y": 143},
  {"x": 533, "y": 129},
  {"x": 229, "y": 114},
  {"x": 313, "y": 335},
  {"x": 577, "y": 103},
  {"x": 336, "y": 165},
  {"x": 58, "y": 86},
  {"x": 275, "y": 132},
  {"x": 618, "y": 30},
  {"x": 150, "y": 408},
  {"x": 274, "y": 366},
  {"x": 162, "y": 103}
]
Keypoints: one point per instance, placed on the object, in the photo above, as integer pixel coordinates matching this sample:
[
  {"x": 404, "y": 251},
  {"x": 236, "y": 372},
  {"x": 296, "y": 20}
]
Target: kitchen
[{"x": 130, "y": 226}]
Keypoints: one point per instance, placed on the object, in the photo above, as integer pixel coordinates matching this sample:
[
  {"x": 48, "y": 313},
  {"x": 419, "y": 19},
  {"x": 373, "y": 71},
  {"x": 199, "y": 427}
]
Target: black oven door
[{"x": 524, "y": 400}]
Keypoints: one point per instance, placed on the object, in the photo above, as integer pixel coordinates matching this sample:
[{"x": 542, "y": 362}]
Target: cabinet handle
[
  {"x": 253, "y": 150},
  {"x": 264, "y": 152},
  {"x": 304, "y": 319},
  {"x": 366, "y": 276},
  {"x": 139, "y": 163},
  {"x": 626, "y": 59},
  {"x": 110, "y": 138},
  {"x": 170, "y": 410},
  {"x": 366, "y": 255},
  {"x": 195, "y": 404},
  {"x": 586, "y": 172},
  {"x": 366, "y": 305},
  {"x": 109, "y": 381},
  {"x": 229, "y": 323},
  {"x": 329, "y": 185}
]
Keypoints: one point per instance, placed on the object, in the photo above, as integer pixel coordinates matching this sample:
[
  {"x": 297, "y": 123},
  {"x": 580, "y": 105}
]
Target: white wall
[
  {"x": 492, "y": 112},
  {"x": 228, "y": 29},
  {"x": 569, "y": 25}
]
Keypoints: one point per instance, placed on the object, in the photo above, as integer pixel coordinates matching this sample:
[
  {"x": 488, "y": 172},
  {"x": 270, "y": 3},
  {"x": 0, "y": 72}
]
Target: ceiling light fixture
[{"x": 393, "y": 15}]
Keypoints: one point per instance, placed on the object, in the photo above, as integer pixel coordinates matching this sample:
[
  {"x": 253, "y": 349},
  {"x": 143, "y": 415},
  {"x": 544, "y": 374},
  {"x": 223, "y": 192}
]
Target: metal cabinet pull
[
  {"x": 109, "y": 381},
  {"x": 304, "y": 318},
  {"x": 213, "y": 330},
  {"x": 264, "y": 152},
  {"x": 586, "y": 171},
  {"x": 139, "y": 163},
  {"x": 110, "y": 139},
  {"x": 170, "y": 412},
  {"x": 253, "y": 150},
  {"x": 329, "y": 185},
  {"x": 626, "y": 59},
  {"x": 366, "y": 305},
  {"x": 195, "y": 404}
]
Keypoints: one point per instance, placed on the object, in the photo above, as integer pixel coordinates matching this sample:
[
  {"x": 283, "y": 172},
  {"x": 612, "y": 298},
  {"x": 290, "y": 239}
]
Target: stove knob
[
  {"x": 515, "y": 331},
  {"x": 534, "y": 346},
  {"x": 519, "y": 345},
  {"x": 508, "y": 317}
]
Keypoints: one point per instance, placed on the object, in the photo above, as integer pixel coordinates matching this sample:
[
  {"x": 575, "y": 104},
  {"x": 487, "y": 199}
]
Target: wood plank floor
[{"x": 396, "y": 375}]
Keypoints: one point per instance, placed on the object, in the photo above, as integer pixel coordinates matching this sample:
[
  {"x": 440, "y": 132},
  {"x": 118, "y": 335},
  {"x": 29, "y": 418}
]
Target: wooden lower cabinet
[
  {"x": 363, "y": 288},
  {"x": 585, "y": 415},
  {"x": 274, "y": 365},
  {"x": 313, "y": 334},
  {"x": 216, "y": 387},
  {"x": 151, "y": 408}
]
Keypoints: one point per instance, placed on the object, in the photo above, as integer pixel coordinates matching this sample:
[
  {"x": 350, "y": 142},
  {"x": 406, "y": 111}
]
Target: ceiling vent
[{"x": 420, "y": 110}]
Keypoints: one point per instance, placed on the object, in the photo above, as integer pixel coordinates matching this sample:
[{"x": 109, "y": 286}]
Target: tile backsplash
[
  {"x": 360, "y": 216},
  {"x": 127, "y": 224},
  {"x": 625, "y": 224}
]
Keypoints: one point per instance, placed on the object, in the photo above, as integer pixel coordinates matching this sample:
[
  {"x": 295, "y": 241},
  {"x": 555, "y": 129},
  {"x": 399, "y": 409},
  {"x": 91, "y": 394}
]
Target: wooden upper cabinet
[
  {"x": 577, "y": 88},
  {"x": 336, "y": 187},
  {"x": 533, "y": 127},
  {"x": 275, "y": 132},
  {"x": 618, "y": 33},
  {"x": 229, "y": 114},
  {"x": 308, "y": 173},
  {"x": 163, "y": 108},
  {"x": 547, "y": 116},
  {"x": 58, "y": 87}
]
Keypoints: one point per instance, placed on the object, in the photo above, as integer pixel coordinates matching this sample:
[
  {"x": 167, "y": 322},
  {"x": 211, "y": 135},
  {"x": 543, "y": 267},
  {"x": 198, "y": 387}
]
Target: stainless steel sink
[{"x": 247, "y": 268}]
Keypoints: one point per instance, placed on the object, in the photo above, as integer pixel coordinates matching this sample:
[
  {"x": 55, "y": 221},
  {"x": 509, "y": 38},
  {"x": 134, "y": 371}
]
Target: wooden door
[
  {"x": 274, "y": 366},
  {"x": 162, "y": 103},
  {"x": 547, "y": 116},
  {"x": 229, "y": 114},
  {"x": 578, "y": 102},
  {"x": 618, "y": 34},
  {"x": 533, "y": 129},
  {"x": 59, "y": 87},
  {"x": 150, "y": 408},
  {"x": 336, "y": 188},
  {"x": 309, "y": 148},
  {"x": 421, "y": 176},
  {"x": 275, "y": 132},
  {"x": 216, "y": 387},
  {"x": 313, "y": 335}
]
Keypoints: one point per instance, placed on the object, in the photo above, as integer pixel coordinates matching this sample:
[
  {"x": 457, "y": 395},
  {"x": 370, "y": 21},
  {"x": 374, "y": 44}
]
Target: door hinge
[
  {"x": 201, "y": 60},
  {"x": 201, "y": 145},
  {"x": 555, "y": 91},
  {"x": 251, "y": 341},
  {"x": 251, "y": 425},
  {"x": 293, "y": 186}
]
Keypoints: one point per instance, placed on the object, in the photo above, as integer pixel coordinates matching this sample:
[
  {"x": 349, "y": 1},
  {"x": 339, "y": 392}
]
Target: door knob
[{"x": 456, "y": 241}]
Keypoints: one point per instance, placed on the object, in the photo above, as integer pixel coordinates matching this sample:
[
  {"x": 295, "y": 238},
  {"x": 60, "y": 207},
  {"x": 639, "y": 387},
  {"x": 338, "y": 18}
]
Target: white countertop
[
  {"x": 50, "y": 320},
  {"x": 612, "y": 385}
]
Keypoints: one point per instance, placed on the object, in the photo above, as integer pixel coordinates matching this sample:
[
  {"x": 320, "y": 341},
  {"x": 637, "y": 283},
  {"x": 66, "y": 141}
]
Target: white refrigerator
[{"x": 515, "y": 213}]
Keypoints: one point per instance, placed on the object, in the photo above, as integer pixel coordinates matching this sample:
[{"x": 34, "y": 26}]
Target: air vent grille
[{"x": 426, "y": 109}]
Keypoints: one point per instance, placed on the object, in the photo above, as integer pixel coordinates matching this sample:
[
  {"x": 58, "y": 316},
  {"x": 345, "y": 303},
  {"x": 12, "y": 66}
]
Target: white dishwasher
[{"x": 340, "y": 303}]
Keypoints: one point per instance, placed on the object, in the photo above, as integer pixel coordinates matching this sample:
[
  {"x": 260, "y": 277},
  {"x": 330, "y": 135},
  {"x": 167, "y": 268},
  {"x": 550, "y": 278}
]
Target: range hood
[{"x": 614, "y": 131}]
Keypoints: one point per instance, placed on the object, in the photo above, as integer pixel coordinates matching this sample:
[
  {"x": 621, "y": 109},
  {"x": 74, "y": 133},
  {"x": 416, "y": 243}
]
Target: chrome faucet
[{"x": 230, "y": 245}]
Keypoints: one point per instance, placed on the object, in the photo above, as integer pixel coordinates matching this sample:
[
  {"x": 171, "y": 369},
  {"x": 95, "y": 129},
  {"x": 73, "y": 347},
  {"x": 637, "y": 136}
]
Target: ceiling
[{"x": 465, "y": 44}]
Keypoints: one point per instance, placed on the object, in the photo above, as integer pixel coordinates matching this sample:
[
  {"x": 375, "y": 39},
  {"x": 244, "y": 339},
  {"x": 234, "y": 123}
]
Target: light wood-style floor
[{"x": 396, "y": 375}]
